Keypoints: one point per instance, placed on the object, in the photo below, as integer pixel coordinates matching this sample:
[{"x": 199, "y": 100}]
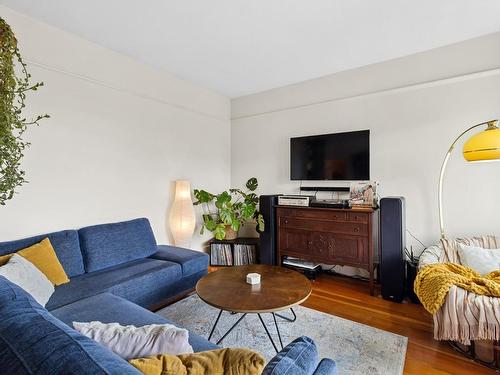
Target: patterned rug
[{"x": 357, "y": 348}]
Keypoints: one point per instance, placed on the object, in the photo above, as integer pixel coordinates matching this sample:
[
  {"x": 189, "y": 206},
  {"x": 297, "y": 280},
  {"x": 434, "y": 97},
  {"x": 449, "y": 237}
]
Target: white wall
[
  {"x": 414, "y": 107},
  {"x": 120, "y": 133}
]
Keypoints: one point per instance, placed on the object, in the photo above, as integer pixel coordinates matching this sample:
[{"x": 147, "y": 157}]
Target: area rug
[{"x": 356, "y": 348}]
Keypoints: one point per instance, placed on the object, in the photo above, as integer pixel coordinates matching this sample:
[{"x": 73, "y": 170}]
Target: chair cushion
[
  {"x": 191, "y": 261},
  {"x": 326, "y": 367},
  {"x": 107, "y": 245},
  {"x": 32, "y": 341},
  {"x": 300, "y": 357},
  {"x": 108, "y": 308},
  {"x": 141, "y": 281},
  {"x": 483, "y": 261},
  {"x": 65, "y": 244}
]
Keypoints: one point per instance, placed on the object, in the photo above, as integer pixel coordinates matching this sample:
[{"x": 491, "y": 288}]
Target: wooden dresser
[{"x": 327, "y": 235}]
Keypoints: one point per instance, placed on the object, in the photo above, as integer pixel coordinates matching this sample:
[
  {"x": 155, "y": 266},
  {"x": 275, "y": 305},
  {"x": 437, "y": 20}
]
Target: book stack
[
  {"x": 244, "y": 254},
  {"x": 221, "y": 255}
]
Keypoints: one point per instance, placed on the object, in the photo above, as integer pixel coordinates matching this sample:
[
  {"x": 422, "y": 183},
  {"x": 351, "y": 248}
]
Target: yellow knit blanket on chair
[{"x": 434, "y": 281}]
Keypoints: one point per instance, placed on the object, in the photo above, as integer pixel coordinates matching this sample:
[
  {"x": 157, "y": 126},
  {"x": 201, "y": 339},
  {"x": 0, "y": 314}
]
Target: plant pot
[
  {"x": 230, "y": 233},
  {"x": 411, "y": 273}
]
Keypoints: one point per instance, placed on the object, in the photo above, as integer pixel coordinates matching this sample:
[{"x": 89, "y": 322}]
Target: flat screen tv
[{"x": 339, "y": 156}]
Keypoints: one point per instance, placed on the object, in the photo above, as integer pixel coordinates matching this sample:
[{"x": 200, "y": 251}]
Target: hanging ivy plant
[{"x": 13, "y": 89}]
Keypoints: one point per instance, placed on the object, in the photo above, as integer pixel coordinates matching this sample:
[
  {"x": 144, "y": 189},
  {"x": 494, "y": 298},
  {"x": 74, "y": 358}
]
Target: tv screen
[{"x": 339, "y": 156}]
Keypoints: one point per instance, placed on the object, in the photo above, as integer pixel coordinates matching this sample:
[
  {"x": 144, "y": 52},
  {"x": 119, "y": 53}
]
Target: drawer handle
[
  {"x": 356, "y": 229},
  {"x": 286, "y": 221}
]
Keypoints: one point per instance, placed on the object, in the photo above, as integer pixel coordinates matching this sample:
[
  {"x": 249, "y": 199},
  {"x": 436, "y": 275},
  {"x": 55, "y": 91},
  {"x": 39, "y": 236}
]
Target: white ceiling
[{"x": 238, "y": 47}]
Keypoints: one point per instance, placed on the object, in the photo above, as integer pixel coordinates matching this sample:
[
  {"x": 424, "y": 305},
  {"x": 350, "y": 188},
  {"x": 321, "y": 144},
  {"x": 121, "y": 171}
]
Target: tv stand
[{"x": 337, "y": 236}]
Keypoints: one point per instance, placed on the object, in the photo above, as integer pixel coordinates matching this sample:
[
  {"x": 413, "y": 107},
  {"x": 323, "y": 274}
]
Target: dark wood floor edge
[{"x": 171, "y": 300}]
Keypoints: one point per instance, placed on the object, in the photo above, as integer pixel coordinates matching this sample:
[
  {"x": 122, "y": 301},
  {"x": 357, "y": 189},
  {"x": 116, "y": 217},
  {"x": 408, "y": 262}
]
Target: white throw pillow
[
  {"x": 480, "y": 260},
  {"x": 23, "y": 273},
  {"x": 136, "y": 342}
]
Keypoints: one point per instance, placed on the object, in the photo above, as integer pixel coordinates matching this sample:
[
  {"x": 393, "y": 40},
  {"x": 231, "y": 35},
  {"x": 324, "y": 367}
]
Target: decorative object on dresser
[
  {"x": 328, "y": 235},
  {"x": 182, "y": 218},
  {"x": 483, "y": 146},
  {"x": 362, "y": 194},
  {"x": 235, "y": 252},
  {"x": 392, "y": 245},
  {"x": 224, "y": 214}
]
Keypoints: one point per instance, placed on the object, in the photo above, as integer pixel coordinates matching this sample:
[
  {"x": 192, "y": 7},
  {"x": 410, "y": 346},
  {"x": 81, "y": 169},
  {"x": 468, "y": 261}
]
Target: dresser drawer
[
  {"x": 360, "y": 229},
  {"x": 358, "y": 217},
  {"x": 309, "y": 213}
]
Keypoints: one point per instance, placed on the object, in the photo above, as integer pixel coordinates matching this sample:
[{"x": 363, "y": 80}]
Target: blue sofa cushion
[
  {"x": 191, "y": 261},
  {"x": 138, "y": 281},
  {"x": 108, "y": 245},
  {"x": 108, "y": 308},
  {"x": 300, "y": 357},
  {"x": 32, "y": 341},
  {"x": 66, "y": 246}
]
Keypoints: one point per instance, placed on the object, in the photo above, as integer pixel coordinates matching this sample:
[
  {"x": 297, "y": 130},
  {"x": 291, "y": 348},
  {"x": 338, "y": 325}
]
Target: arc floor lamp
[{"x": 483, "y": 146}]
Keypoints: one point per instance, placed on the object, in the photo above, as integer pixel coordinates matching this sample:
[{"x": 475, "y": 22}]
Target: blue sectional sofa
[
  {"x": 120, "y": 258},
  {"x": 116, "y": 272}
]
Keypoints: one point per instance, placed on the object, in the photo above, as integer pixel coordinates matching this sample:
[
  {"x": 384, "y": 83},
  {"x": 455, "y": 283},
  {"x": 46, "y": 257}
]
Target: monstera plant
[
  {"x": 14, "y": 84},
  {"x": 225, "y": 213}
]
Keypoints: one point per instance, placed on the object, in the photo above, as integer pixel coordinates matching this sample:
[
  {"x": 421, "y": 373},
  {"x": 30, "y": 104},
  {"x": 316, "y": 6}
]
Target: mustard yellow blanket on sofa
[{"x": 434, "y": 281}]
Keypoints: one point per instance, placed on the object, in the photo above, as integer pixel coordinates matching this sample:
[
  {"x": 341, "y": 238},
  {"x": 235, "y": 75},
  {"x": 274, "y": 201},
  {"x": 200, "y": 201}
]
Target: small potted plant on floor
[
  {"x": 411, "y": 272},
  {"x": 225, "y": 213}
]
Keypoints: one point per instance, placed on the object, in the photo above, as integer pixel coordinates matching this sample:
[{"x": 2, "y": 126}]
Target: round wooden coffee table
[{"x": 279, "y": 289}]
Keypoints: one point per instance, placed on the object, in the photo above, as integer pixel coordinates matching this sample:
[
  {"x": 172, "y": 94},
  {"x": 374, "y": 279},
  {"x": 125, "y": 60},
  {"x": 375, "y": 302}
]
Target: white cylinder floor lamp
[{"x": 182, "y": 216}]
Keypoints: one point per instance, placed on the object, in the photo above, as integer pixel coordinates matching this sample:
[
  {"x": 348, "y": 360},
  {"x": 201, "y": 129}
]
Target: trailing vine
[{"x": 13, "y": 89}]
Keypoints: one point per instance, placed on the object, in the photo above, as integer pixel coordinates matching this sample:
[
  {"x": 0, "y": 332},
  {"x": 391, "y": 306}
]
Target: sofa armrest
[
  {"x": 191, "y": 261},
  {"x": 298, "y": 357},
  {"x": 327, "y": 366}
]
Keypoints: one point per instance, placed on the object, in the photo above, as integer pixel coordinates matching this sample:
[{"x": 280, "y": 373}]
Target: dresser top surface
[{"x": 360, "y": 209}]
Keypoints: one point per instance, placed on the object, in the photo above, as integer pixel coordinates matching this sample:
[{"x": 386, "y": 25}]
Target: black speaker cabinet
[
  {"x": 268, "y": 238},
  {"x": 392, "y": 245}
]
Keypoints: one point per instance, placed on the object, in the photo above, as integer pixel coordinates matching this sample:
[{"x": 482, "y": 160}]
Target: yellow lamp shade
[{"x": 485, "y": 145}]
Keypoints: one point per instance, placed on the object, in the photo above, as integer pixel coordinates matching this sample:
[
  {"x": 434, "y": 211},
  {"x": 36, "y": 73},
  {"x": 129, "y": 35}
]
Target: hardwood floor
[{"x": 349, "y": 299}]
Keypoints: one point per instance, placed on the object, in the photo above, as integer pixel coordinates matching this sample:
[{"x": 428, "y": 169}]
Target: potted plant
[
  {"x": 13, "y": 89},
  {"x": 225, "y": 213},
  {"x": 411, "y": 262}
]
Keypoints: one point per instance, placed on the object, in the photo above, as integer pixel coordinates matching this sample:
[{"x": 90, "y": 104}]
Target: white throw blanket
[{"x": 465, "y": 316}]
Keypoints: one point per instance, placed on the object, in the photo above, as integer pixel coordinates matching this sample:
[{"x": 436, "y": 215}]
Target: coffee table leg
[
  {"x": 215, "y": 325},
  {"x": 230, "y": 329},
  {"x": 287, "y": 318},
  {"x": 268, "y": 334},
  {"x": 277, "y": 329}
]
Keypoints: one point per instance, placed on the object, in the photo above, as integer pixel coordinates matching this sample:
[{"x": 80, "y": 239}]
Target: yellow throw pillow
[
  {"x": 43, "y": 257},
  {"x": 4, "y": 259},
  {"x": 228, "y": 361}
]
